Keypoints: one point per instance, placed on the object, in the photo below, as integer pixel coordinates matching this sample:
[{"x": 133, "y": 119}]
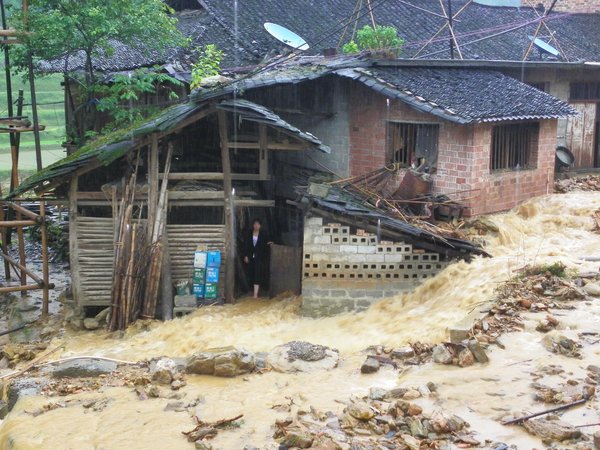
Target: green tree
[
  {"x": 55, "y": 29},
  {"x": 208, "y": 64},
  {"x": 379, "y": 39}
]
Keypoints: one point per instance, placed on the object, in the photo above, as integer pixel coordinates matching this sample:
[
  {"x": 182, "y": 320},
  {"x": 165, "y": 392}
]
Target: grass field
[{"x": 50, "y": 97}]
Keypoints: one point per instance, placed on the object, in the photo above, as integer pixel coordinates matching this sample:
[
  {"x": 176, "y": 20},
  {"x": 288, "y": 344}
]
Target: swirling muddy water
[{"x": 549, "y": 229}]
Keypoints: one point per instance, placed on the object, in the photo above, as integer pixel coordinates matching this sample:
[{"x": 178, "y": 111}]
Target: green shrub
[{"x": 379, "y": 39}]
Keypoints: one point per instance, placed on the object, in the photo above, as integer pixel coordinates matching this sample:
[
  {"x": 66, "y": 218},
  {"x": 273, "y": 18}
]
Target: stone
[
  {"x": 417, "y": 428},
  {"x": 597, "y": 440},
  {"x": 551, "y": 430},
  {"x": 466, "y": 358},
  {"x": 102, "y": 315},
  {"x": 361, "y": 411},
  {"x": 24, "y": 387},
  {"x": 370, "y": 365},
  {"x": 414, "y": 410},
  {"x": 441, "y": 354},
  {"x": 82, "y": 367},
  {"x": 201, "y": 364},
  {"x": 199, "y": 445},
  {"x": 377, "y": 394},
  {"x": 91, "y": 323},
  {"x": 3, "y": 409},
  {"x": 411, "y": 442},
  {"x": 411, "y": 394},
  {"x": 297, "y": 439},
  {"x": 177, "y": 384},
  {"x": 299, "y": 356},
  {"x": 163, "y": 371},
  {"x": 592, "y": 289},
  {"x": 401, "y": 353}
]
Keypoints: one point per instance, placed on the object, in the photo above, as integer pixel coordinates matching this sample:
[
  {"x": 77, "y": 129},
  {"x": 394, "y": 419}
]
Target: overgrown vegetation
[
  {"x": 558, "y": 269},
  {"x": 120, "y": 98},
  {"x": 380, "y": 39},
  {"x": 208, "y": 64}
]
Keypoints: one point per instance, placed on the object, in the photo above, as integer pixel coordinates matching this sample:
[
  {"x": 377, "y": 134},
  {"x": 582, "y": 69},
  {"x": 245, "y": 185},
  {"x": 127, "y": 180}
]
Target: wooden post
[
  {"x": 166, "y": 279},
  {"x": 152, "y": 184},
  {"x": 229, "y": 232},
  {"x": 263, "y": 152},
  {"x": 45, "y": 275},
  {"x": 73, "y": 237}
]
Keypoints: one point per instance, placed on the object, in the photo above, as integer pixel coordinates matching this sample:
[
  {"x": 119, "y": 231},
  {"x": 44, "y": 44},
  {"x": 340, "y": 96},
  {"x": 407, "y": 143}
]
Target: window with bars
[
  {"x": 514, "y": 146},
  {"x": 412, "y": 143}
]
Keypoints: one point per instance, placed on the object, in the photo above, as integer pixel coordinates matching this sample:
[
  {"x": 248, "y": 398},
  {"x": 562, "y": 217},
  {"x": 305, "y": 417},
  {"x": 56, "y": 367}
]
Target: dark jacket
[{"x": 258, "y": 258}]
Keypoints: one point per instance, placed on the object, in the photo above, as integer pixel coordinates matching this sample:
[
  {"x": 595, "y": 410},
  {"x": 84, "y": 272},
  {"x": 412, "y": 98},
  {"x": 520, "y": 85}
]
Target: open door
[{"x": 286, "y": 270}]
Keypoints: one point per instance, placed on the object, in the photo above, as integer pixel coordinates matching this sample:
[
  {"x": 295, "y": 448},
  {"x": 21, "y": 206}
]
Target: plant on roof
[
  {"x": 92, "y": 29},
  {"x": 208, "y": 64},
  {"x": 119, "y": 99},
  {"x": 379, "y": 39}
]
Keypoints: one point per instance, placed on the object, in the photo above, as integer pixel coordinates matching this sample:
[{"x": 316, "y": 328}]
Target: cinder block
[
  {"x": 312, "y": 248},
  {"x": 340, "y": 239},
  {"x": 325, "y": 239},
  {"x": 372, "y": 240},
  {"x": 386, "y": 249},
  {"x": 368, "y": 249},
  {"x": 393, "y": 258},
  {"x": 403, "y": 248},
  {"x": 332, "y": 249},
  {"x": 314, "y": 221},
  {"x": 345, "y": 231},
  {"x": 348, "y": 248},
  {"x": 433, "y": 257},
  {"x": 377, "y": 257},
  {"x": 320, "y": 257}
]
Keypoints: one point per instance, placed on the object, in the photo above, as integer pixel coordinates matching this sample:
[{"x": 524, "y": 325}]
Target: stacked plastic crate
[{"x": 206, "y": 275}]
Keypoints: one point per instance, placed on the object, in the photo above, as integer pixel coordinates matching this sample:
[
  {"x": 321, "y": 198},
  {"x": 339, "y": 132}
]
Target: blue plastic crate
[
  {"x": 213, "y": 258},
  {"x": 198, "y": 290},
  {"x": 212, "y": 274}
]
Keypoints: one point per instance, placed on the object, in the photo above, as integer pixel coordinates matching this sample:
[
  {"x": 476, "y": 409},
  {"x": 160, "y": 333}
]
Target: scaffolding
[{"x": 13, "y": 215}]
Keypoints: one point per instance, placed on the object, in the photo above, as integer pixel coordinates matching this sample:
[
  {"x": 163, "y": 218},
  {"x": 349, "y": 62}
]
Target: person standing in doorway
[{"x": 256, "y": 256}]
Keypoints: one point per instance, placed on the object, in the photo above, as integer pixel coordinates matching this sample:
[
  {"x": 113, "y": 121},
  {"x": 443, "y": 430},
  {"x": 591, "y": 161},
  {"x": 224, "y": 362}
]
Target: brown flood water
[{"x": 544, "y": 230}]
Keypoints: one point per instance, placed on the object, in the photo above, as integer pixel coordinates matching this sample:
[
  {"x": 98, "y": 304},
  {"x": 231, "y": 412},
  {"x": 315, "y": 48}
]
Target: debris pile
[
  {"x": 384, "y": 419},
  {"x": 587, "y": 183}
]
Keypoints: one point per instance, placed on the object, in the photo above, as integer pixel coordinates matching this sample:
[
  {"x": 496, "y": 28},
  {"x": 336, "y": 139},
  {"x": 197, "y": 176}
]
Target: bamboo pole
[
  {"x": 45, "y": 275},
  {"x": 15, "y": 264},
  {"x": 17, "y": 223},
  {"x": 33, "y": 216},
  {"x": 23, "y": 288}
]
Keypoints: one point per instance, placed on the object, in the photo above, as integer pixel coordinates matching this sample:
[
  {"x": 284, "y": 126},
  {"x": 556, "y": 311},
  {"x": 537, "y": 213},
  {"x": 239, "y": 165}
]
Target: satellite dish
[
  {"x": 286, "y": 36},
  {"x": 544, "y": 46},
  {"x": 500, "y": 3}
]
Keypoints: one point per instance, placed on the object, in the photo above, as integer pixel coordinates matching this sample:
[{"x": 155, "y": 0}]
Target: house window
[
  {"x": 540, "y": 86},
  {"x": 413, "y": 143},
  {"x": 514, "y": 146},
  {"x": 585, "y": 91}
]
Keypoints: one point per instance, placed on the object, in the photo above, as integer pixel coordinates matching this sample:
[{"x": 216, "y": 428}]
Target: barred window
[
  {"x": 514, "y": 146},
  {"x": 585, "y": 91},
  {"x": 410, "y": 142}
]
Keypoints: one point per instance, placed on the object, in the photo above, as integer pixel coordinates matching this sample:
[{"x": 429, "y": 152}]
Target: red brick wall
[{"x": 463, "y": 154}]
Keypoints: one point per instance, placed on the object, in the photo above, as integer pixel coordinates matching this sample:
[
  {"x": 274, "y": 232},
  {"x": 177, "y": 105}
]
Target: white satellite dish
[
  {"x": 500, "y": 3},
  {"x": 544, "y": 46},
  {"x": 288, "y": 37}
]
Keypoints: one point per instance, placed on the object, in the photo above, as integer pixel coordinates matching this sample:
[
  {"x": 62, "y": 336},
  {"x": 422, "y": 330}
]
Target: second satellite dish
[
  {"x": 288, "y": 37},
  {"x": 544, "y": 46}
]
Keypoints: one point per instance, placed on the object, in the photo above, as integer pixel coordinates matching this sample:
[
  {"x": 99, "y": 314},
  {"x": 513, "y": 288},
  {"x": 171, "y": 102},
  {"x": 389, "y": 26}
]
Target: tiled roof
[
  {"x": 197, "y": 25},
  {"x": 318, "y": 22},
  {"x": 462, "y": 95},
  {"x": 455, "y": 94}
]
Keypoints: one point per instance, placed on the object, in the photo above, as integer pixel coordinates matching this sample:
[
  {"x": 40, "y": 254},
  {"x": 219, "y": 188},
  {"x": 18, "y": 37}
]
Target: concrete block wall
[{"x": 347, "y": 270}]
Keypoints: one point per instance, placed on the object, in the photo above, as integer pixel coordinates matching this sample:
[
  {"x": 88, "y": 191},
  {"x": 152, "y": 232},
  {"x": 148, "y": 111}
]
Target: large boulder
[
  {"x": 82, "y": 367},
  {"x": 300, "y": 356},
  {"x": 163, "y": 370},
  {"x": 552, "y": 430},
  {"x": 23, "y": 387},
  {"x": 221, "y": 362}
]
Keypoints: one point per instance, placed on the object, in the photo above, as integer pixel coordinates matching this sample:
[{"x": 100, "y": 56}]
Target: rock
[
  {"x": 3, "y": 409},
  {"x": 592, "y": 289},
  {"x": 485, "y": 224},
  {"x": 370, "y": 365},
  {"x": 414, "y": 410},
  {"x": 525, "y": 303},
  {"x": 465, "y": 358},
  {"x": 260, "y": 360},
  {"x": 597, "y": 440},
  {"x": 377, "y": 394},
  {"x": 442, "y": 355},
  {"x": 199, "y": 445},
  {"x": 299, "y": 356},
  {"x": 478, "y": 351},
  {"x": 83, "y": 367},
  {"x": 411, "y": 394},
  {"x": 102, "y": 315},
  {"x": 201, "y": 364},
  {"x": 297, "y": 439},
  {"x": 91, "y": 323},
  {"x": 177, "y": 384},
  {"x": 163, "y": 371},
  {"x": 401, "y": 353},
  {"x": 551, "y": 430},
  {"x": 556, "y": 342},
  {"x": 221, "y": 362},
  {"x": 417, "y": 428},
  {"x": 361, "y": 411},
  {"x": 411, "y": 442},
  {"x": 24, "y": 387}
]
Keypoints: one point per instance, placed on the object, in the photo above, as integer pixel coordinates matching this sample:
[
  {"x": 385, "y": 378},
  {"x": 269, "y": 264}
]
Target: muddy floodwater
[{"x": 550, "y": 229}]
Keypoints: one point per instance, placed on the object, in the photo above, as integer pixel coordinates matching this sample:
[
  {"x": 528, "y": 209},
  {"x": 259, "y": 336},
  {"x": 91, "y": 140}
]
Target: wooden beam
[
  {"x": 152, "y": 185},
  {"x": 74, "y": 239},
  {"x": 15, "y": 264},
  {"x": 270, "y": 146},
  {"x": 25, "y": 211},
  {"x": 17, "y": 223},
  {"x": 229, "y": 213},
  {"x": 22, "y": 288},
  {"x": 196, "y": 195},
  {"x": 214, "y": 176},
  {"x": 45, "y": 274}
]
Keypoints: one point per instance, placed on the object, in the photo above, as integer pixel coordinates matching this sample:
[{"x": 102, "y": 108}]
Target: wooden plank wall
[
  {"x": 95, "y": 257},
  {"x": 580, "y": 134}
]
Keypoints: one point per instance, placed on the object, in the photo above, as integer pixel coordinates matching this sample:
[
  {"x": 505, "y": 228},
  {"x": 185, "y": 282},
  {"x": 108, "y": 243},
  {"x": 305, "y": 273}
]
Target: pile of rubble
[
  {"x": 385, "y": 419},
  {"x": 587, "y": 183}
]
